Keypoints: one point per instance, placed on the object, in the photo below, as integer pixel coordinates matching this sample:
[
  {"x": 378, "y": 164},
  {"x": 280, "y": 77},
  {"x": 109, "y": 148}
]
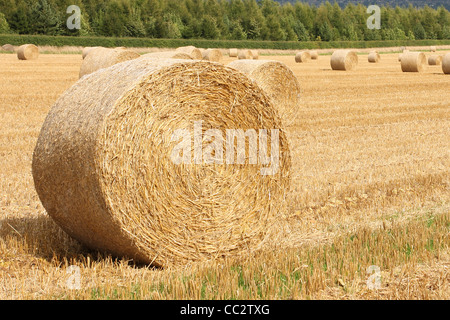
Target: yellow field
[{"x": 371, "y": 166}]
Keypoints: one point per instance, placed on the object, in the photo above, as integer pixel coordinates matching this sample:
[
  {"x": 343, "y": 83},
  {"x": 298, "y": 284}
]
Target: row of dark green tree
[{"x": 222, "y": 19}]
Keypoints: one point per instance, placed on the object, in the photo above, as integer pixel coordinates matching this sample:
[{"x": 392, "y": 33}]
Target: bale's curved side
[
  {"x": 105, "y": 164},
  {"x": 302, "y": 56},
  {"x": 214, "y": 55},
  {"x": 413, "y": 62},
  {"x": 435, "y": 60},
  {"x": 314, "y": 54},
  {"x": 194, "y": 52},
  {"x": 86, "y": 51},
  {"x": 233, "y": 53},
  {"x": 278, "y": 81},
  {"x": 99, "y": 58},
  {"x": 28, "y": 52},
  {"x": 8, "y": 48},
  {"x": 245, "y": 54},
  {"x": 345, "y": 60},
  {"x": 374, "y": 57},
  {"x": 169, "y": 55},
  {"x": 446, "y": 63}
]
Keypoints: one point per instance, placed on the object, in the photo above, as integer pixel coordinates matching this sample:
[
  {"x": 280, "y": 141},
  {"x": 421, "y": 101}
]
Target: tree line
[{"x": 223, "y": 20}]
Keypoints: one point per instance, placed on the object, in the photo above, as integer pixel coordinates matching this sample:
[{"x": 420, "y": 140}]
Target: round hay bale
[
  {"x": 402, "y": 49},
  {"x": 446, "y": 63},
  {"x": 278, "y": 81},
  {"x": 346, "y": 60},
  {"x": 194, "y": 52},
  {"x": 400, "y": 57},
  {"x": 255, "y": 54},
  {"x": 8, "y": 48},
  {"x": 105, "y": 163},
  {"x": 314, "y": 54},
  {"x": 233, "y": 53},
  {"x": 374, "y": 57},
  {"x": 99, "y": 58},
  {"x": 433, "y": 48},
  {"x": 413, "y": 62},
  {"x": 86, "y": 51},
  {"x": 212, "y": 55},
  {"x": 435, "y": 60},
  {"x": 28, "y": 52},
  {"x": 245, "y": 54},
  {"x": 302, "y": 56},
  {"x": 168, "y": 55}
]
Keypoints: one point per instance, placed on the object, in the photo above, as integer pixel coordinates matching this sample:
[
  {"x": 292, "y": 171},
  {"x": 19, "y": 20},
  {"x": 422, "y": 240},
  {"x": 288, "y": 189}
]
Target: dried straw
[
  {"x": 28, "y": 52},
  {"x": 446, "y": 63},
  {"x": 374, "y": 57},
  {"x": 168, "y": 55},
  {"x": 86, "y": 51},
  {"x": 314, "y": 54},
  {"x": 212, "y": 55},
  {"x": 99, "y": 58},
  {"x": 302, "y": 56},
  {"x": 233, "y": 53},
  {"x": 435, "y": 60},
  {"x": 433, "y": 48},
  {"x": 278, "y": 81},
  {"x": 194, "y": 52},
  {"x": 255, "y": 54},
  {"x": 245, "y": 54},
  {"x": 8, "y": 48},
  {"x": 104, "y": 171},
  {"x": 346, "y": 60},
  {"x": 413, "y": 62}
]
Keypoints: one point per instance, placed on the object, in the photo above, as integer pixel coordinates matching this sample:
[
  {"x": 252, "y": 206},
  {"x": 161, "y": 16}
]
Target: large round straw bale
[
  {"x": 8, "y": 48},
  {"x": 194, "y": 52},
  {"x": 114, "y": 166},
  {"x": 255, "y": 54},
  {"x": 435, "y": 60},
  {"x": 278, "y": 81},
  {"x": 374, "y": 57},
  {"x": 28, "y": 52},
  {"x": 245, "y": 54},
  {"x": 86, "y": 51},
  {"x": 168, "y": 55},
  {"x": 314, "y": 54},
  {"x": 233, "y": 53},
  {"x": 433, "y": 48},
  {"x": 346, "y": 60},
  {"x": 99, "y": 58},
  {"x": 446, "y": 63},
  {"x": 302, "y": 56},
  {"x": 413, "y": 62},
  {"x": 212, "y": 55}
]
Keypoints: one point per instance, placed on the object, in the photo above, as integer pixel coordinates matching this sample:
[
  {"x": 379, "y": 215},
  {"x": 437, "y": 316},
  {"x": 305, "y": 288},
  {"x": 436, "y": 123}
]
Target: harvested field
[{"x": 371, "y": 186}]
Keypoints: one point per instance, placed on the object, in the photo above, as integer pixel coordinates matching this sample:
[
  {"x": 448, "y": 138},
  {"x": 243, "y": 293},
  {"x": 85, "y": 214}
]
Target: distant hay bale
[
  {"x": 86, "y": 51},
  {"x": 402, "y": 49},
  {"x": 278, "y": 81},
  {"x": 446, "y": 63},
  {"x": 314, "y": 54},
  {"x": 435, "y": 60},
  {"x": 214, "y": 55},
  {"x": 255, "y": 54},
  {"x": 105, "y": 163},
  {"x": 413, "y": 62},
  {"x": 168, "y": 55},
  {"x": 400, "y": 57},
  {"x": 194, "y": 52},
  {"x": 8, "y": 48},
  {"x": 346, "y": 60},
  {"x": 302, "y": 56},
  {"x": 99, "y": 58},
  {"x": 433, "y": 48},
  {"x": 233, "y": 53},
  {"x": 120, "y": 48},
  {"x": 28, "y": 52},
  {"x": 374, "y": 57},
  {"x": 245, "y": 54}
]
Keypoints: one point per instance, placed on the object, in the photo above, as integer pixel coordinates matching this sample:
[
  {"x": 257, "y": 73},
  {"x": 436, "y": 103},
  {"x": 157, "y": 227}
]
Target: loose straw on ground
[{"x": 114, "y": 165}]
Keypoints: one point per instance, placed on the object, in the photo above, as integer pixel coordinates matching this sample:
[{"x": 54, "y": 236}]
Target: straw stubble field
[{"x": 371, "y": 159}]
